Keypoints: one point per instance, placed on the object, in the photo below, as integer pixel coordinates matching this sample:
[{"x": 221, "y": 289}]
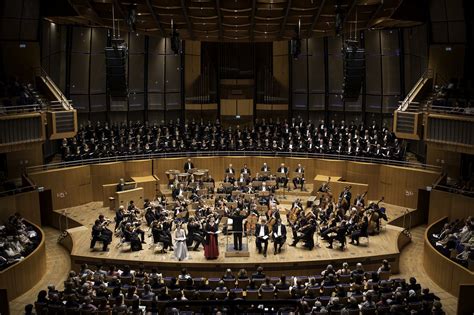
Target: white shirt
[
  {"x": 278, "y": 233},
  {"x": 262, "y": 231}
]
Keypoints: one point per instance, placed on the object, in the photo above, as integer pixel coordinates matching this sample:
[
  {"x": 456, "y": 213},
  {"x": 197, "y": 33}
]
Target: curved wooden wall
[
  {"x": 22, "y": 276},
  {"x": 451, "y": 205},
  {"x": 442, "y": 270},
  {"x": 82, "y": 184}
]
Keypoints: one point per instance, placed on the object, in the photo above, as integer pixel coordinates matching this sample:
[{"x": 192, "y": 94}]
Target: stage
[{"x": 291, "y": 261}]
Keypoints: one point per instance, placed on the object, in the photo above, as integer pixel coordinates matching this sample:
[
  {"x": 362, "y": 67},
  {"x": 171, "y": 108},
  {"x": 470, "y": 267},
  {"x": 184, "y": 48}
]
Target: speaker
[
  {"x": 354, "y": 72},
  {"x": 115, "y": 61}
]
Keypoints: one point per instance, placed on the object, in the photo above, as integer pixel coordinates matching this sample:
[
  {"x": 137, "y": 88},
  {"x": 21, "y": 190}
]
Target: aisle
[
  {"x": 411, "y": 264},
  {"x": 57, "y": 269}
]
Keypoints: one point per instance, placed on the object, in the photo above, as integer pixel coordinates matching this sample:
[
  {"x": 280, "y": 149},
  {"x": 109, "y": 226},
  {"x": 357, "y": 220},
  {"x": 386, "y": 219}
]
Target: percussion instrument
[
  {"x": 183, "y": 177},
  {"x": 205, "y": 172},
  {"x": 171, "y": 174},
  {"x": 198, "y": 176}
]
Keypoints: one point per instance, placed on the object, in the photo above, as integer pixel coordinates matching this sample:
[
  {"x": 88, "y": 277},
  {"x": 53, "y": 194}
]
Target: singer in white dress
[{"x": 180, "y": 247}]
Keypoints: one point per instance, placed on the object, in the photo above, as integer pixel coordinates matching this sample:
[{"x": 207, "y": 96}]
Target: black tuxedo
[
  {"x": 282, "y": 176},
  {"x": 278, "y": 240},
  {"x": 245, "y": 170},
  {"x": 259, "y": 240},
  {"x": 237, "y": 229},
  {"x": 230, "y": 170},
  {"x": 188, "y": 166},
  {"x": 176, "y": 192},
  {"x": 299, "y": 180},
  {"x": 265, "y": 169}
]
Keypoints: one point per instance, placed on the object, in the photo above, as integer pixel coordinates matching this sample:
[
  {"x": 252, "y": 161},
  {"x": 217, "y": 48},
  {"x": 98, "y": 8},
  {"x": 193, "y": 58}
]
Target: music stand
[
  {"x": 230, "y": 175},
  {"x": 236, "y": 193},
  {"x": 262, "y": 209},
  {"x": 265, "y": 173},
  {"x": 256, "y": 184}
]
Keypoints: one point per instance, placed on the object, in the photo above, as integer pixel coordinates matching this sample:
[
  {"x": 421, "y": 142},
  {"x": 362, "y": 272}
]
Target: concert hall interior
[{"x": 236, "y": 157}]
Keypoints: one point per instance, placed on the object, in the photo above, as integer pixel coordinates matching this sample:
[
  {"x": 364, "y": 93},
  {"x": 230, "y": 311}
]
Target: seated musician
[
  {"x": 133, "y": 234},
  {"x": 179, "y": 191},
  {"x": 195, "y": 234},
  {"x": 262, "y": 234},
  {"x": 265, "y": 167},
  {"x": 119, "y": 215},
  {"x": 230, "y": 170},
  {"x": 132, "y": 208},
  {"x": 360, "y": 231},
  {"x": 339, "y": 235},
  {"x": 305, "y": 232},
  {"x": 159, "y": 235},
  {"x": 99, "y": 234},
  {"x": 279, "y": 236},
  {"x": 299, "y": 180},
  {"x": 282, "y": 175},
  {"x": 229, "y": 178}
]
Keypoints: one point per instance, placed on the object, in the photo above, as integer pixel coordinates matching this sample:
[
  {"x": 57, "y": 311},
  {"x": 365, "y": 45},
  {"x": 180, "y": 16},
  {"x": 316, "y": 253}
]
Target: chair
[
  {"x": 344, "y": 278},
  {"x": 182, "y": 283},
  {"x": 314, "y": 291},
  {"x": 229, "y": 283},
  {"x": 267, "y": 294},
  {"x": 41, "y": 308},
  {"x": 328, "y": 290},
  {"x": 368, "y": 311},
  {"x": 128, "y": 302},
  {"x": 220, "y": 294},
  {"x": 243, "y": 283},
  {"x": 324, "y": 300},
  {"x": 310, "y": 301},
  {"x": 189, "y": 294},
  {"x": 198, "y": 282},
  {"x": 384, "y": 275},
  {"x": 284, "y": 294},
  {"x": 205, "y": 294},
  {"x": 274, "y": 280},
  {"x": 174, "y": 292},
  {"x": 252, "y": 295},
  {"x": 259, "y": 282},
  {"x": 126, "y": 280},
  {"x": 418, "y": 306},
  {"x": 239, "y": 293},
  {"x": 352, "y": 312}
]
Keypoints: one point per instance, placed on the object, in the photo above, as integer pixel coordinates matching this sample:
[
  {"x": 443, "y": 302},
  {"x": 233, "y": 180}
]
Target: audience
[
  {"x": 315, "y": 294},
  {"x": 455, "y": 240},
  {"x": 102, "y": 140},
  {"x": 18, "y": 239}
]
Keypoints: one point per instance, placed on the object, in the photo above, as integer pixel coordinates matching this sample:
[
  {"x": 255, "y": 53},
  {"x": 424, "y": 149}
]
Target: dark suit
[
  {"x": 278, "y": 240},
  {"x": 245, "y": 170},
  {"x": 188, "y": 166},
  {"x": 230, "y": 170},
  {"x": 299, "y": 180},
  {"x": 237, "y": 229},
  {"x": 259, "y": 240},
  {"x": 177, "y": 191}
]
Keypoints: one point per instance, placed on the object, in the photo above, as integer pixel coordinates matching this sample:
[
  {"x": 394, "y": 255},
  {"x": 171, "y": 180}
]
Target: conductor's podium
[{"x": 138, "y": 189}]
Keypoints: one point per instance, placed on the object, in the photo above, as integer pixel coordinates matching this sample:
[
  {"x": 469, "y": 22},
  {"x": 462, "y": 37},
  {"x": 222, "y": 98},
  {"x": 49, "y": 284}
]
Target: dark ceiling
[{"x": 241, "y": 20}]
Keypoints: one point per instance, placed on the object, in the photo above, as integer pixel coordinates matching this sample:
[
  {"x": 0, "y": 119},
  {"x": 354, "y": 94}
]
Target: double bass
[{"x": 374, "y": 218}]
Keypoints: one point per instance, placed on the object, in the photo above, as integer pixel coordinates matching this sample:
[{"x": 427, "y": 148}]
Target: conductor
[{"x": 237, "y": 228}]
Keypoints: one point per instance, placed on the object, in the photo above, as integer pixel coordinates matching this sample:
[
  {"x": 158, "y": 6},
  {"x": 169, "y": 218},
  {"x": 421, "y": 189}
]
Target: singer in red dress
[{"x": 211, "y": 248}]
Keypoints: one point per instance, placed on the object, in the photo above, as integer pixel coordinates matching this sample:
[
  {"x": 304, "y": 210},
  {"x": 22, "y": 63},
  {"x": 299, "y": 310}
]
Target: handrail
[
  {"x": 17, "y": 190},
  {"x": 454, "y": 190},
  {"x": 428, "y": 74},
  {"x": 62, "y": 99},
  {"x": 20, "y": 108},
  {"x": 81, "y": 162},
  {"x": 451, "y": 110}
]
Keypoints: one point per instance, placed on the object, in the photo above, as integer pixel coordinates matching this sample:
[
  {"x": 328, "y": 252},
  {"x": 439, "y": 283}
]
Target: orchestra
[{"x": 251, "y": 209}]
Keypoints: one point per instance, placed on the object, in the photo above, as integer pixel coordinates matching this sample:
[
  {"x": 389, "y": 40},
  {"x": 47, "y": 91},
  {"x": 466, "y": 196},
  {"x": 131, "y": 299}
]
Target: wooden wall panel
[
  {"x": 213, "y": 164},
  {"x": 330, "y": 167},
  {"x": 106, "y": 173},
  {"x": 272, "y": 162},
  {"x": 7, "y": 207},
  {"x": 160, "y": 166},
  {"x": 365, "y": 173},
  {"x": 306, "y": 163},
  {"x": 69, "y": 186},
  {"x": 27, "y": 204},
  {"x": 138, "y": 168},
  {"x": 445, "y": 204}
]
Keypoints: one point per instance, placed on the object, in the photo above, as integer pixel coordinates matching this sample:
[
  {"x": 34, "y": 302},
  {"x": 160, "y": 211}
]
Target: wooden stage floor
[{"x": 292, "y": 260}]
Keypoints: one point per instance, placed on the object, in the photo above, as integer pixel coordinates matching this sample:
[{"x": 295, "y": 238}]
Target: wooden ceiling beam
[
  {"x": 219, "y": 18},
  {"x": 283, "y": 23},
  {"x": 252, "y": 19},
  {"x": 186, "y": 17},
  {"x": 155, "y": 17},
  {"x": 373, "y": 16},
  {"x": 316, "y": 18}
]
